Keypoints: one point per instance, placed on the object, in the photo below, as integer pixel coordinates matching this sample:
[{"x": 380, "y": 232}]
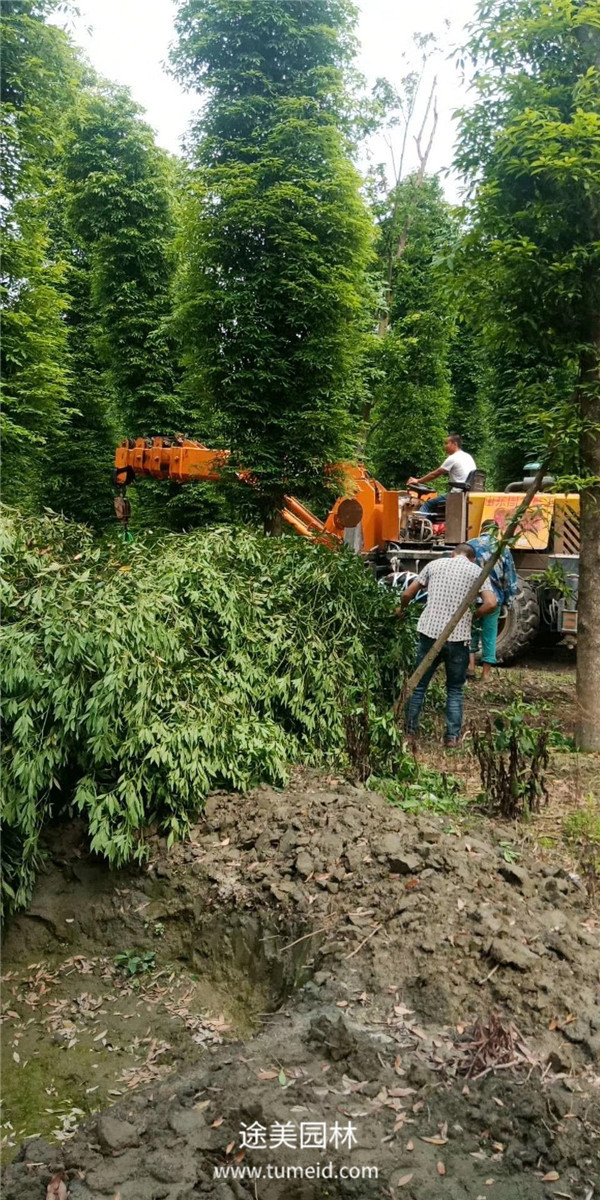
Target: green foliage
[
  {"x": 137, "y": 678},
  {"x": 409, "y": 417},
  {"x": 581, "y": 832},
  {"x": 276, "y": 240},
  {"x": 416, "y": 788},
  {"x": 39, "y": 76},
  {"x": 513, "y": 756},
  {"x": 584, "y": 825},
  {"x": 80, "y": 456},
  {"x": 119, "y": 197},
  {"x": 132, "y": 963},
  {"x": 470, "y": 412},
  {"x": 87, "y": 233},
  {"x": 539, "y": 713},
  {"x": 529, "y": 146},
  {"x": 509, "y": 852}
]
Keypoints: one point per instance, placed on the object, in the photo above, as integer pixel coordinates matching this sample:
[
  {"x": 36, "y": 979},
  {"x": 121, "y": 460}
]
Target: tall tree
[
  {"x": 469, "y": 392},
  {"x": 79, "y": 459},
  {"x": 530, "y": 147},
  {"x": 40, "y": 72},
  {"x": 120, "y": 188},
  {"x": 411, "y": 397},
  {"x": 278, "y": 237}
]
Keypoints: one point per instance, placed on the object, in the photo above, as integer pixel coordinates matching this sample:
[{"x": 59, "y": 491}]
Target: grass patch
[{"x": 417, "y": 789}]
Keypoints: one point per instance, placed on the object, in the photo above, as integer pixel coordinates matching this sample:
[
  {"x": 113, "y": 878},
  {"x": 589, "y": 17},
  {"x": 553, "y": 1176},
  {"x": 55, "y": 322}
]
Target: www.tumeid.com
[{"x": 315, "y": 1171}]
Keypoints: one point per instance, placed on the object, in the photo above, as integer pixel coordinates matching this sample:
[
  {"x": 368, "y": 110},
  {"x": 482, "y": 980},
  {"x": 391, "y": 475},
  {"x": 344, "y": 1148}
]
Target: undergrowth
[
  {"x": 513, "y": 758},
  {"x": 581, "y": 832},
  {"x": 416, "y": 788},
  {"x": 139, "y": 677}
]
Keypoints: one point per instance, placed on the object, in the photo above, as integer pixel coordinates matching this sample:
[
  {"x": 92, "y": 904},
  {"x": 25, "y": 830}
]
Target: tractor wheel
[{"x": 518, "y": 626}]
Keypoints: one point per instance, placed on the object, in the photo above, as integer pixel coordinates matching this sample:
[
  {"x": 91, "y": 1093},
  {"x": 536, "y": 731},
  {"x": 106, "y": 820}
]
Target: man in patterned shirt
[{"x": 447, "y": 581}]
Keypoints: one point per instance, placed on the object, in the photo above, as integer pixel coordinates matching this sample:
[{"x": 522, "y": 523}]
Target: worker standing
[
  {"x": 505, "y": 583},
  {"x": 458, "y": 466},
  {"x": 447, "y": 581}
]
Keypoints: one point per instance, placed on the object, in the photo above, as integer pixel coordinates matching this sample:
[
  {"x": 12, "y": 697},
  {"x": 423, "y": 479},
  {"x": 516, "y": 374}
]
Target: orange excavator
[
  {"x": 366, "y": 504},
  {"x": 387, "y": 528}
]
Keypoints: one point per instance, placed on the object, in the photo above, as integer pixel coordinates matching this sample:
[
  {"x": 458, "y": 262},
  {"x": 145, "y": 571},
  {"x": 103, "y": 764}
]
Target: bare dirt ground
[{"x": 320, "y": 959}]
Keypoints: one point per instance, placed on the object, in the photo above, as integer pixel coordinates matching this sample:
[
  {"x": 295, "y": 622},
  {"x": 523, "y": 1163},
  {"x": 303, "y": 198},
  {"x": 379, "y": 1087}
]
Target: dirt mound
[{"x": 447, "y": 1009}]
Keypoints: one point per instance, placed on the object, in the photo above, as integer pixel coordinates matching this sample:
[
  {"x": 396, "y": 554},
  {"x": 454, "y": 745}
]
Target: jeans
[
  {"x": 484, "y": 632},
  {"x": 455, "y": 656},
  {"x": 434, "y": 507}
]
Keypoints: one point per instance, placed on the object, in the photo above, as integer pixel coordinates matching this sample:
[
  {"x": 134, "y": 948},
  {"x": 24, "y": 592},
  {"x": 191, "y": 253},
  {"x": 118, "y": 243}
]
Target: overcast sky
[{"x": 127, "y": 41}]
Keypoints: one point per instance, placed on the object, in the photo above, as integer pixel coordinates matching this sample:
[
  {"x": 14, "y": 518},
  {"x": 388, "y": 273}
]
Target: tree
[
  {"x": 277, "y": 236},
  {"x": 120, "y": 208},
  {"x": 40, "y": 72},
  {"x": 469, "y": 387},
  {"x": 411, "y": 398},
  {"x": 80, "y": 457},
  {"x": 529, "y": 146}
]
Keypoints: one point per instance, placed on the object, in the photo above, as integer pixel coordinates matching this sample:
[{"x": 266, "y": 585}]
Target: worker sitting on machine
[{"x": 458, "y": 466}]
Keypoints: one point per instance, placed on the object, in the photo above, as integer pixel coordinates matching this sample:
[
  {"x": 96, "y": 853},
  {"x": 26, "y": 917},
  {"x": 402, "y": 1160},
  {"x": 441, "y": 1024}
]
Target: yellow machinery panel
[{"x": 535, "y": 523}]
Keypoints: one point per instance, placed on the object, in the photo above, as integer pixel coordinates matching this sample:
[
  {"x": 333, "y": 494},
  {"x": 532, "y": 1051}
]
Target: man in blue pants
[
  {"x": 447, "y": 581},
  {"x": 505, "y": 582}
]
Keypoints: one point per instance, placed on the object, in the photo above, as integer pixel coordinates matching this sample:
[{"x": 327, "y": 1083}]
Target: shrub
[
  {"x": 137, "y": 678},
  {"x": 513, "y": 757},
  {"x": 581, "y": 831}
]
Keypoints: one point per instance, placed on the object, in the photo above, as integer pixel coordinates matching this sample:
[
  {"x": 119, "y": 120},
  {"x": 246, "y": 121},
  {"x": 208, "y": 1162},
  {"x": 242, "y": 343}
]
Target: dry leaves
[{"x": 57, "y": 1188}]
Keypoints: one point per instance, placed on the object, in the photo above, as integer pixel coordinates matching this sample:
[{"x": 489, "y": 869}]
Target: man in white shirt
[
  {"x": 457, "y": 465},
  {"x": 447, "y": 581}
]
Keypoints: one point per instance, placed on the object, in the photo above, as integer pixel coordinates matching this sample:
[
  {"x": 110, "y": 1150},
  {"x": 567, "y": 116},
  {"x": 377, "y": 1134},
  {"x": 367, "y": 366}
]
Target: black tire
[{"x": 520, "y": 625}]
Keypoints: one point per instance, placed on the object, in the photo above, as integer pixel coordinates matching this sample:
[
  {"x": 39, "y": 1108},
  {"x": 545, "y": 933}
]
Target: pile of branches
[
  {"x": 491, "y": 1045},
  {"x": 138, "y": 678}
]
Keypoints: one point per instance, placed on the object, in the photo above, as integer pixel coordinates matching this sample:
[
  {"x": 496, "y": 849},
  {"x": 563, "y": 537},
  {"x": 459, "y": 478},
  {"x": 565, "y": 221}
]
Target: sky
[{"x": 127, "y": 41}]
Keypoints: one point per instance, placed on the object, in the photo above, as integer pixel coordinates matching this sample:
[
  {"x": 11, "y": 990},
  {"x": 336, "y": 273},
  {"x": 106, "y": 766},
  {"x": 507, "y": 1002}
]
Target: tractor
[{"x": 386, "y": 527}]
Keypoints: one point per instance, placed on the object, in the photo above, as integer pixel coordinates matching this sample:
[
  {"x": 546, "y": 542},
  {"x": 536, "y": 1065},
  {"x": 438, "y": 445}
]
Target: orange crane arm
[{"x": 365, "y": 502}]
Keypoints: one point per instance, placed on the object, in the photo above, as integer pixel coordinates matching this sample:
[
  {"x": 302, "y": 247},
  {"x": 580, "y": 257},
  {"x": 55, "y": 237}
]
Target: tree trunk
[
  {"x": 588, "y": 638},
  {"x": 273, "y": 523}
]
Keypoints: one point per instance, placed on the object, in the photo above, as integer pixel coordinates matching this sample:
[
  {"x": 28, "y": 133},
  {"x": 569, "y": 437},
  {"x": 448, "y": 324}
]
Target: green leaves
[
  {"x": 411, "y": 400},
  {"x": 277, "y": 239},
  {"x": 529, "y": 260},
  {"x": 215, "y": 661}
]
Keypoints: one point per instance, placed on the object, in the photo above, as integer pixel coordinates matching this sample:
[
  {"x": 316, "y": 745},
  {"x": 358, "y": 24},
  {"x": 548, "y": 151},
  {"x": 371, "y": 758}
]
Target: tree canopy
[
  {"x": 272, "y": 290},
  {"x": 411, "y": 395},
  {"x": 40, "y": 73},
  {"x": 530, "y": 146}
]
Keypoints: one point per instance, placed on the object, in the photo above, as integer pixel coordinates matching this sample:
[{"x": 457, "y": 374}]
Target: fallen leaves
[
  {"x": 557, "y": 1024},
  {"x": 404, "y": 1179},
  {"x": 440, "y": 1168},
  {"x": 57, "y": 1188}
]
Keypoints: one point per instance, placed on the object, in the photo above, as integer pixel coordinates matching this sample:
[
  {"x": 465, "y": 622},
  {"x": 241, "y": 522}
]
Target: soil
[{"x": 317, "y": 956}]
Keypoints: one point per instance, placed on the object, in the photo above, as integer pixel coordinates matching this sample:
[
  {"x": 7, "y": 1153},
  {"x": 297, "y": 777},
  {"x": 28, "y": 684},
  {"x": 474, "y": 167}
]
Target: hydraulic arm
[{"x": 366, "y": 506}]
